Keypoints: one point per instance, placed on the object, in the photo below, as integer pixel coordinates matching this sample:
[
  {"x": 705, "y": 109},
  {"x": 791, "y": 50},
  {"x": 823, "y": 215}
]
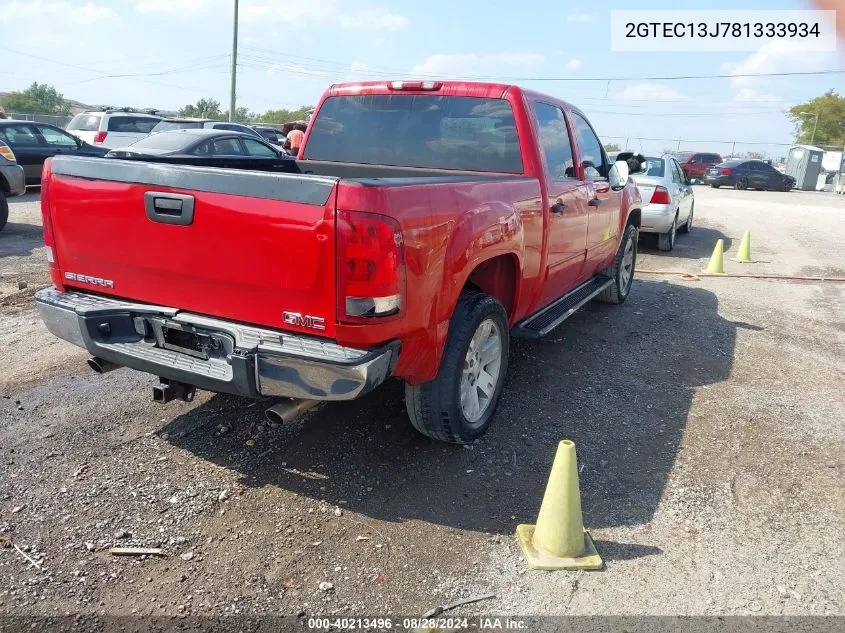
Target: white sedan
[{"x": 668, "y": 200}]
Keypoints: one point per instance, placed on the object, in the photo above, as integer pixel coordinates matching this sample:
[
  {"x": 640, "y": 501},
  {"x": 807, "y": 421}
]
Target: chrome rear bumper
[{"x": 234, "y": 358}]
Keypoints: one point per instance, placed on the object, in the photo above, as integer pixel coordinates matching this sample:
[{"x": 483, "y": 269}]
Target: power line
[{"x": 377, "y": 69}]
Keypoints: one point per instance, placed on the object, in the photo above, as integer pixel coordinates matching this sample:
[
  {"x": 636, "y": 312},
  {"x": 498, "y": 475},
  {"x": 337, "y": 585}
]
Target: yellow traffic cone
[
  {"x": 743, "y": 256},
  {"x": 716, "y": 264},
  {"x": 559, "y": 540}
]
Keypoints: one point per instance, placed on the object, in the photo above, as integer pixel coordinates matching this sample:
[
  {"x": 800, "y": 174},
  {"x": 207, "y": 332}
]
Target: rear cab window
[
  {"x": 85, "y": 123},
  {"x": 655, "y": 167},
  {"x": 131, "y": 124},
  {"x": 427, "y": 131}
]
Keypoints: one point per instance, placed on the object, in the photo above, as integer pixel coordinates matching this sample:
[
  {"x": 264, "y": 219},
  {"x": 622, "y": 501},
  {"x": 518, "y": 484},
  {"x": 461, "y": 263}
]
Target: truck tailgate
[{"x": 239, "y": 245}]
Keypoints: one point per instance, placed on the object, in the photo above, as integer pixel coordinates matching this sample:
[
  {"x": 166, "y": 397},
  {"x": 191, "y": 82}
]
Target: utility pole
[
  {"x": 234, "y": 65},
  {"x": 733, "y": 149}
]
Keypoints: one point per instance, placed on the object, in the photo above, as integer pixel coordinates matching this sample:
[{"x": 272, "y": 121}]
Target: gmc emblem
[
  {"x": 306, "y": 321},
  {"x": 87, "y": 279}
]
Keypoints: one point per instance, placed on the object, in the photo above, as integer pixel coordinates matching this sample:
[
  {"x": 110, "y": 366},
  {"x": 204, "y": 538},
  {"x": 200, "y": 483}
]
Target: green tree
[
  {"x": 283, "y": 116},
  {"x": 612, "y": 147},
  {"x": 37, "y": 99},
  {"x": 202, "y": 109},
  {"x": 830, "y": 110},
  {"x": 242, "y": 115}
]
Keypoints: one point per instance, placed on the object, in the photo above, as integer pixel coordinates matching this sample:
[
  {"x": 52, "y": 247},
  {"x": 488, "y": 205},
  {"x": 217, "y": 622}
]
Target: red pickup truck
[{"x": 422, "y": 225}]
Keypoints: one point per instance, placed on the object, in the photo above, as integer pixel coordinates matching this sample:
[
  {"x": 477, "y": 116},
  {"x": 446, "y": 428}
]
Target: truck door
[
  {"x": 603, "y": 203},
  {"x": 566, "y": 200}
]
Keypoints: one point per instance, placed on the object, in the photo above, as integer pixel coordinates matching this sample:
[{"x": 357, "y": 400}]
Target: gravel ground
[{"x": 709, "y": 418}]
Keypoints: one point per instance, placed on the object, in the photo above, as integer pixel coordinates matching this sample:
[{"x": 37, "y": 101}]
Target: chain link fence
[{"x": 57, "y": 120}]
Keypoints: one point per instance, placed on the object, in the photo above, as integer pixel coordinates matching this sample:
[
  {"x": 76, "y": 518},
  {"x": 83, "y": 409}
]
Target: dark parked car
[
  {"x": 11, "y": 180},
  {"x": 274, "y": 135},
  {"x": 696, "y": 164},
  {"x": 748, "y": 174},
  {"x": 165, "y": 125},
  {"x": 33, "y": 143},
  {"x": 213, "y": 148}
]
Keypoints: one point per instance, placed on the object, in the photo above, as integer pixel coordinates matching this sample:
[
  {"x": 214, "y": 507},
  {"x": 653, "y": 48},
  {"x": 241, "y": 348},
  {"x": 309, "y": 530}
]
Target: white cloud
[
  {"x": 649, "y": 91},
  {"x": 375, "y": 19},
  {"x": 301, "y": 14},
  {"x": 474, "y": 64},
  {"x": 750, "y": 94},
  {"x": 574, "y": 64},
  {"x": 171, "y": 7},
  {"x": 75, "y": 13},
  {"x": 774, "y": 57},
  {"x": 582, "y": 17}
]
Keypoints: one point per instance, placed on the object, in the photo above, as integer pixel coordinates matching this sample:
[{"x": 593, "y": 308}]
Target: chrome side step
[{"x": 541, "y": 323}]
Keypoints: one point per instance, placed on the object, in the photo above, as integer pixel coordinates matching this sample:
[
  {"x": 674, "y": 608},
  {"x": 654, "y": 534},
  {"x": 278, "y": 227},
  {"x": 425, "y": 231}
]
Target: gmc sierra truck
[{"x": 422, "y": 225}]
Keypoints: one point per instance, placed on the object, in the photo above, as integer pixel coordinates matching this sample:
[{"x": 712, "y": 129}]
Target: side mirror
[
  {"x": 618, "y": 175},
  {"x": 636, "y": 162}
]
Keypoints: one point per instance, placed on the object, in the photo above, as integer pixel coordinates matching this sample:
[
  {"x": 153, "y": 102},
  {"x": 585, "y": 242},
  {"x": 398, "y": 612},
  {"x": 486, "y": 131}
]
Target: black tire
[
  {"x": 741, "y": 184},
  {"x": 619, "y": 290},
  {"x": 687, "y": 226},
  {"x": 4, "y": 210},
  {"x": 435, "y": 406},
  {"x": 666, "y": 241},
  {"x": 715, "y": 186}
]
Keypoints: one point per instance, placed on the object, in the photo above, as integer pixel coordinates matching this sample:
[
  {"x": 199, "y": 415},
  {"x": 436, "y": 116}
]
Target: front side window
[
  {"x": 554, "y": 139},
  {"x": 56, "y": 137},
  {"x": 592, "y": 155},
  {"x": 406, "y": 130}
]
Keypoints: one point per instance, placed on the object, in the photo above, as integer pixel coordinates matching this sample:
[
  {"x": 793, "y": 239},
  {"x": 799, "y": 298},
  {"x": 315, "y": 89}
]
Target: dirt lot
[{"x": 709, "y": 418}]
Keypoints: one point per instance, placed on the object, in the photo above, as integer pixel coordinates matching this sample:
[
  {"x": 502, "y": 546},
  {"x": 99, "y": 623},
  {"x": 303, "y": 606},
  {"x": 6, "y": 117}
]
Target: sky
[{"x": 167, "y": 53}]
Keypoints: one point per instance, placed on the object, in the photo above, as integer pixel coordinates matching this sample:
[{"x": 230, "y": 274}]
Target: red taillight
[
  {"x": 415, "y": 85},
  {"x": 660, "y": 196},
  {"x": 370, "y": 266},
  {"x": 726, "y": 172},
  {"x": 100, "y": 138},
  {"x": 47, "y": 223}
]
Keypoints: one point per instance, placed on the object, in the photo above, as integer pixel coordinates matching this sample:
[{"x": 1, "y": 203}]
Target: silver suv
[{"x": 112, "y": 128}]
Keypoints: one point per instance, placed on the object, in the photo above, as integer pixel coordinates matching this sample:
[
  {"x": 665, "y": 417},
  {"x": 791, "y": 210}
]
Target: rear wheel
[
  {"x": 622, "y": 269},
  {"x": 458, "y": 405},
  {"x": 666, "y": 241},
  {"x": 741, "y": 183},
  {"x": 4, "y": 210}
]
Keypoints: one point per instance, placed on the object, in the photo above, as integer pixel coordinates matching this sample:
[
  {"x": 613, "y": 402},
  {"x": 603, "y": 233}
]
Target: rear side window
[
  {"x": 554, "y": 138},
  {"x": 439, "y": 132},
  {"x": 21, "y": 136},
  {"x": 133, "y": 124},
  {"x": 714, "y": 158},
  {"x": 85, "y": 123}
]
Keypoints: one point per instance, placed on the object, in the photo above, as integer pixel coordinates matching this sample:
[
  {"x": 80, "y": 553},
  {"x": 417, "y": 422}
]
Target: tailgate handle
[{"x": 169, "y": 208}]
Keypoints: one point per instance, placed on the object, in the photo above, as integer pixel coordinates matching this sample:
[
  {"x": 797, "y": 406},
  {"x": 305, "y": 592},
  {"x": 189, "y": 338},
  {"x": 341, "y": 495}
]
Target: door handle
[
  {"x": 559, "y": 207},
  {"x": 602, "y": 188},
  {"x": 594, "y": 202},
  {"x": 169, "y": 208}
]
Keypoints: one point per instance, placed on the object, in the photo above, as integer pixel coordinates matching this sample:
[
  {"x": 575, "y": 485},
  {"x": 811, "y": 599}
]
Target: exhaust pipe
[
  {"x": 173, "y": 390},
  {"x": 101, "y": 366},
  {"x": 288, "y": 410}
]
